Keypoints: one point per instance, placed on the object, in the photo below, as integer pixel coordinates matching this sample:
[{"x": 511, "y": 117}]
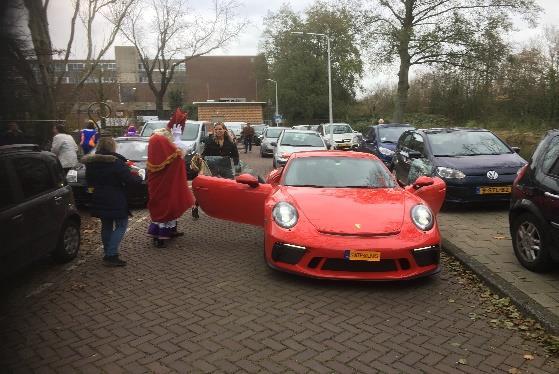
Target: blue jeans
[
  {"x": 112, "y": 232},
  {"x": 248, "y": 144}
]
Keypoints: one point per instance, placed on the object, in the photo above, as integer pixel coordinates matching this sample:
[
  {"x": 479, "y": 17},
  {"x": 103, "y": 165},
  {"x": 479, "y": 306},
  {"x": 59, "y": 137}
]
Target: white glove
[
  {"x": 177, "y": 133},
  {"x": 142, "y": 174}
]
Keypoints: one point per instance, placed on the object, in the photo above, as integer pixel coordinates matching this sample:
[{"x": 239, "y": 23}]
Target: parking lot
[{"x": 208, "y": 303}]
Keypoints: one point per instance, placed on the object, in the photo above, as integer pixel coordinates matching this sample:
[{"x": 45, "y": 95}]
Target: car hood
[
  {"x": 391, "y": 146},
  {"x": 288, "y": 149},
  {"x": 351, "y": 211},
  {"x": 508, "y": 163}
]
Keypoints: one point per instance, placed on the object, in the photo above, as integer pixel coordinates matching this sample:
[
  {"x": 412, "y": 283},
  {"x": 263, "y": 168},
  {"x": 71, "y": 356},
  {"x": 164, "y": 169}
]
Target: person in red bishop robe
[{"x": 169, "y": 194}]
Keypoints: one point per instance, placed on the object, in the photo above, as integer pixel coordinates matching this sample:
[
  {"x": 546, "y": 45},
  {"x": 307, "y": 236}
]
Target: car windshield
[
  {"x": 466, "y": 143},
  {"x": 338, "y": 129},
  {"x": 301, "y": 139},
  {"x": 134, "y": 151},
  {"x": 273, "y": 132},
  {"x": 337, "y": 172},
  {"x": 190, "y": 129},
  {"x": 391, "y": 134}
]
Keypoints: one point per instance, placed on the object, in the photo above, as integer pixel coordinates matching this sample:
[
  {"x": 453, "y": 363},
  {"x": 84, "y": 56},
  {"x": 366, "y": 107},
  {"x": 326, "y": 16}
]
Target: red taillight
[{"x": 520, "y": 174}]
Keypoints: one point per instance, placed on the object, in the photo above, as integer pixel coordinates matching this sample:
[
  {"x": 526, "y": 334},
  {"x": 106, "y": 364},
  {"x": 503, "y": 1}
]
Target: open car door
[
  {"x": 433, "y": 194},
  {"x": 241, "y": 200}
]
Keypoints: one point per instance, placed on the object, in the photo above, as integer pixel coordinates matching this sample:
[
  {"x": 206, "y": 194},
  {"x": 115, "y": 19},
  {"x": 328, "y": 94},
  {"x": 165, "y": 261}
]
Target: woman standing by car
[
  {"x": 108, "y": 174},
  {"x": 219, "y": 144},
  {"x": 64, "y": 147}
]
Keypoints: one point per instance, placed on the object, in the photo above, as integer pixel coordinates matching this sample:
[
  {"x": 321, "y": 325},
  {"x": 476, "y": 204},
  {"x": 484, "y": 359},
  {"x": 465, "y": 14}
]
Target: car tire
[
  {"x": 528, "y": 231},
  {"x": 68, "y": 244}
]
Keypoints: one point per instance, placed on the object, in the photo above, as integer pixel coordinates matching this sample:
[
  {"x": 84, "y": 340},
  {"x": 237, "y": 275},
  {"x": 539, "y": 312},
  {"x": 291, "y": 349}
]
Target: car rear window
[
  {"x": 550, "y": 164},
  {"x": 190, "y": 130},
  {"x": 301, "y": 139},
  {"x": 6, "y": 194},
  {"x": 34, "y": 176}
]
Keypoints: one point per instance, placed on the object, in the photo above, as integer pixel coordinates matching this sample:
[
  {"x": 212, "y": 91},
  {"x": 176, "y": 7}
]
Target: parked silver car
[
  {"x": 292, "y": 141},
  {"x": 271, "y": 135}
]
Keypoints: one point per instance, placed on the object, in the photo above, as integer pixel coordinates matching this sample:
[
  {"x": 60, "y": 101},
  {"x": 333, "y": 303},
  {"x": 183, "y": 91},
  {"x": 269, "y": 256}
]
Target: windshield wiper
[{"x": 305, "y": 185}]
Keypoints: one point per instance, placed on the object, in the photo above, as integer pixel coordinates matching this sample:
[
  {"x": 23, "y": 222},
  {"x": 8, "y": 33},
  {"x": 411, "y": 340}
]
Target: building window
[
  {"x": 181, "y": 67},
  {"x": 75, "y": 66}
]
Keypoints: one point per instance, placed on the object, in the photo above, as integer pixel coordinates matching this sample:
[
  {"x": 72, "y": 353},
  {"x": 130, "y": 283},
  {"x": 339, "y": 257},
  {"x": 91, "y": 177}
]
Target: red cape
[{"x": 169, "y": 195}]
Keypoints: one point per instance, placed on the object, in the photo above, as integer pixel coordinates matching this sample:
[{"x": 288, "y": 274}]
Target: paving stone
[{"x": 208, "y": 303}]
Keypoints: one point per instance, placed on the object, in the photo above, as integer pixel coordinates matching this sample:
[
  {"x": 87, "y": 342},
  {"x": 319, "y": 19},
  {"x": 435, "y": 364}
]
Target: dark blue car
[
  {"x": 381, "y": 140},
  {"x": 475, "y": 164}
]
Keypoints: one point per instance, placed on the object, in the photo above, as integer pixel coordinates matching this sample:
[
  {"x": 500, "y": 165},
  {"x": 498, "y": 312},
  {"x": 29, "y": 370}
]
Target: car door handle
[
  {"x": 198, "y": 188},
  {"x": 549, "y": 194},
  {"x": 18, "y": 217}
]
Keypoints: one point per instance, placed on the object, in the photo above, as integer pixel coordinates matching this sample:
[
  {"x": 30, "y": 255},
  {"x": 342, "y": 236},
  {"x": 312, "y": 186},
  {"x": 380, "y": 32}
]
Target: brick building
[
  {"x": 122, "y": 83},
  {"x": 247, "y": 111}
]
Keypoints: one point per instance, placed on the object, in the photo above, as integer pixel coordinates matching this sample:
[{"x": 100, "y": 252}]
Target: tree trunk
[
  {"x": 38, "y": 27},
  {"x": 403, "y": 87},
  {"x": 405, "y": 63},
  {"x": 159, "y": 106}
]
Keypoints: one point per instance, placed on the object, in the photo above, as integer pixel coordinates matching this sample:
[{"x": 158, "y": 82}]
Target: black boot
[{"x": 113, "y": 261}]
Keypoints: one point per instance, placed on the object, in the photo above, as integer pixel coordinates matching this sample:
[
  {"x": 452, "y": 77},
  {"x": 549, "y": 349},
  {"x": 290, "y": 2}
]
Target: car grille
[
  {"x": 427, "y": 257},
  {"x": 287, "y": 253},
  {"x": 340, "y": 264}
]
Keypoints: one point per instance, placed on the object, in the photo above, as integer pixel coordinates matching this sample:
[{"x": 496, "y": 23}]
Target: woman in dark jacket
[
  {"x": 219, "y": 144},
  {"x": 108, "y": 174}
]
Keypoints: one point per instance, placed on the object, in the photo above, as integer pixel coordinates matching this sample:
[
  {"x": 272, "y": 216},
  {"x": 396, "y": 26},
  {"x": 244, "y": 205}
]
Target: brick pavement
[
  {"x": 482, "y": 232},
  {"x": 208, "y": 303}
]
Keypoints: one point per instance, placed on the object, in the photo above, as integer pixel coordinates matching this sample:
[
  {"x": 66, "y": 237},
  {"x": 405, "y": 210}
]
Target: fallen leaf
[
  {"x": 529, "y": 357},
  {"x": 462, "y": 361},
  {"x": 499, "y": 237},
  {"x": 514, "y": 371},
  {"x": 450, "y": 300}
]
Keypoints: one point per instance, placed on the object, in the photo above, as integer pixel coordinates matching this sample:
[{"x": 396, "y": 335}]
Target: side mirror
[
  {"x": 423, "y": 181},
  {"x": 516, "y": 149},
  {"x": 414, "y": 154},
  {"x": 248, "y": 179},
  {"x": 273, "y": 144}
]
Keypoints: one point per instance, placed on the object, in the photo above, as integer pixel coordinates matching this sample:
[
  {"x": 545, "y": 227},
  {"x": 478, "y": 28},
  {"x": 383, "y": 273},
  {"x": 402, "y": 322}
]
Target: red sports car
[{"x": 337, "y": 215}]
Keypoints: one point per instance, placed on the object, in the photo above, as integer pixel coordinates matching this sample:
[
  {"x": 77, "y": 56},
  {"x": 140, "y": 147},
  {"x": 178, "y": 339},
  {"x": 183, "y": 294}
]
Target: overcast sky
[{"x": 60, "y": 12}]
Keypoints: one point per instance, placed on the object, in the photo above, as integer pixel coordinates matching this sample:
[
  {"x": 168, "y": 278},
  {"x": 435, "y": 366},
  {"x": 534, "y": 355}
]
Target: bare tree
[
  {"x": 424, "y": 32},
  {"x": 167, "y": 33},
  {"x": 34, "y": 53}
]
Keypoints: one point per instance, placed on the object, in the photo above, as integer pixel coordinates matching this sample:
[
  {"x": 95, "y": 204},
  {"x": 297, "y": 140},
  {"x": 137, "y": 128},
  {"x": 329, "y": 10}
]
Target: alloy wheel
[{"x": 529, "y": 241}]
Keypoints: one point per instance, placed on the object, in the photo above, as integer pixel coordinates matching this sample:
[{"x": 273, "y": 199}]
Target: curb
[{"x": 528, "y": 306}]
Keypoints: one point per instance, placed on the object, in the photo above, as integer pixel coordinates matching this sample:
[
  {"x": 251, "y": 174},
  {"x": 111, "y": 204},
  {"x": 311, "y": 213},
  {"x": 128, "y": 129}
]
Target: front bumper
[
  {"x": 467, "y": 190},
  {"x": 267, "y": 150},
  {"x": 345, "y": 146},
  {"x": 322, "y": 257}
]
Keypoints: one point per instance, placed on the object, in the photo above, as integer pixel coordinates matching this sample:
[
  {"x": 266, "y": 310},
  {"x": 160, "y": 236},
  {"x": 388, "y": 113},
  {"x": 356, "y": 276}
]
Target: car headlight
[
  {"x": 449, "y": 173},
  {"x": 72, "y": 176},
  {"x": 285, "y": 215},
  {"x": 422, "y": 217},
  {"x": 385, "y": 151}
]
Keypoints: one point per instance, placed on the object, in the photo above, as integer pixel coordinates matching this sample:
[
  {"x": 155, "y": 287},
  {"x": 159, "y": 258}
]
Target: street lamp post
[
  {"x": 331, "y": 117},
  {"x": 277, "y": 106}
]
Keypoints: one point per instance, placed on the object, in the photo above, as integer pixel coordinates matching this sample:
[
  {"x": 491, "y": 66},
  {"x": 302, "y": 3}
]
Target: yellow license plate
[
  {"x": 363, "y": 256},
  {"x": 494, "y": 190}
]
